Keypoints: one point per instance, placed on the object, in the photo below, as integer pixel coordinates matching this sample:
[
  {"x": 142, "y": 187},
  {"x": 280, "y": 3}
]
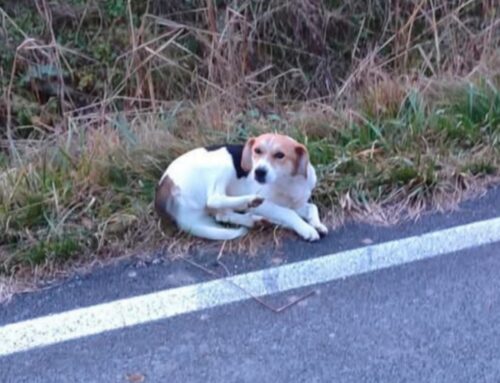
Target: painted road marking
[{"x": 74, "y": 324}]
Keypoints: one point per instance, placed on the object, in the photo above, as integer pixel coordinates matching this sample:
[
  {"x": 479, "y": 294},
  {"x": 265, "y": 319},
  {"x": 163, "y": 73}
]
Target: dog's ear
[
  {"x": 246, "y": 157},
  {"x": 302, "y": 160}
]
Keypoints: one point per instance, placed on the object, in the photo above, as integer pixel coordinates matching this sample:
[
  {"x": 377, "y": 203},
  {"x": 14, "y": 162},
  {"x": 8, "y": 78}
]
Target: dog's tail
[{"x": 205, "y": 227}]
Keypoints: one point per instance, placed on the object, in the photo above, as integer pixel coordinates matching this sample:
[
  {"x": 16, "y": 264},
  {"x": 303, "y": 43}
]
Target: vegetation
[{"x": 398, "y": 102}]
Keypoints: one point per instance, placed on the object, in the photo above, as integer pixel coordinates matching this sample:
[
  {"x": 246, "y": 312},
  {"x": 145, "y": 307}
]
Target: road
[{"x": 434, "y": 320}]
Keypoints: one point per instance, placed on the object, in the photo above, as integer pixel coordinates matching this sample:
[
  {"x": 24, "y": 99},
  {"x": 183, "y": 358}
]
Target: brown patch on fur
[
  {"x": 164, "y": 198},
  {"x": 246, "y": 157},
  {"x": 301, "y": 160}
]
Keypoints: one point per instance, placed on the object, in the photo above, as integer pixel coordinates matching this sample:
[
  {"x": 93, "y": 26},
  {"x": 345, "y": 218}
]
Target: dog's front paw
[
  {"x": 255, "y": 202},
  {"x": 308, "y": 233},
  {"x": 322, "y": 229}
]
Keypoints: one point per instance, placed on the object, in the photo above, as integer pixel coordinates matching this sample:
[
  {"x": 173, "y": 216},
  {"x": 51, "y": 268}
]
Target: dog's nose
[{"x": 260, "y": 175}]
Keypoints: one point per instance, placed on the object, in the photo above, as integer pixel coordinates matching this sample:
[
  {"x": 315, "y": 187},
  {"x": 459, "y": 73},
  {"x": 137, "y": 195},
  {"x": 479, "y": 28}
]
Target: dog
[{"x": 269, "y": 178}]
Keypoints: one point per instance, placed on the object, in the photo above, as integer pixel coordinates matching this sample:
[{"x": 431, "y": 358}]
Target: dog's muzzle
[{"x": 260, "y": 175}]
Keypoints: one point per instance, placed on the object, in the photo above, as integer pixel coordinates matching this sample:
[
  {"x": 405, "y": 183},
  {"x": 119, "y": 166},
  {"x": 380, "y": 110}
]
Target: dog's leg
[
  {"x": 288, "y": 218},
  {"x": 311, "y": 214},
  {"x": 202, "y": 225},
  {"x": 221, "y": 201},
  {"x": 245, "y": 219}
]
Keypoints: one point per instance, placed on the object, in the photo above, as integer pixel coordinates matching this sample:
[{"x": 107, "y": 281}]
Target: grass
[
  {"x": 90, "y": 191},
  {"x": 97, "y": 99}
]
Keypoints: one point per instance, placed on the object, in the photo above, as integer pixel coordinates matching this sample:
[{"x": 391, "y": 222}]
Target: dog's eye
[
  {"x": 257, "y": 151},
  {"x": 279, "y": 155}
]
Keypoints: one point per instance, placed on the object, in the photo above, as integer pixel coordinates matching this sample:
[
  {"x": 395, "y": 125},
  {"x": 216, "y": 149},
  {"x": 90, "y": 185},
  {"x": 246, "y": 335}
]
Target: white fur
[{"x": 207, "y": 190}]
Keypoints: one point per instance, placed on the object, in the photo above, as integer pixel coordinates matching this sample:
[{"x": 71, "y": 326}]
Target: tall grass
[{"x": 229, "y": 54}]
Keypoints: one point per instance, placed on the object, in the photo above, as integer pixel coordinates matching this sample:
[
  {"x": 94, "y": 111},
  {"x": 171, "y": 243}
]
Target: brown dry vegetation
[{"x": 398, "y": 102}]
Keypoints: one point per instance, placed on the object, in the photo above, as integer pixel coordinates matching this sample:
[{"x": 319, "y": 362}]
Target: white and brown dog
[{"x": 270, "y": 177}]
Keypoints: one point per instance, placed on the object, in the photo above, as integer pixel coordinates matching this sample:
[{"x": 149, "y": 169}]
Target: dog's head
[{"x": 270, "y": 157}]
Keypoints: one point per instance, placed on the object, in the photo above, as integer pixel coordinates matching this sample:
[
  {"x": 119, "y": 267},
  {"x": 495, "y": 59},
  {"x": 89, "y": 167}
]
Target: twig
[
  {"x": 276, "y": 310},
  {"x": 221, "y": 251}
]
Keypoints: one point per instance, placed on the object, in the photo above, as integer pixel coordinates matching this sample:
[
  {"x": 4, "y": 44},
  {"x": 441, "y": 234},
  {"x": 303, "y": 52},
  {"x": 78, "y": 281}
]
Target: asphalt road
[{"x": 429, "y": 321}]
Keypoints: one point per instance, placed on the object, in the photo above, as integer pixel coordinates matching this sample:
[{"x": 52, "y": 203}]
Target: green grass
[{"x": 86, "y": 195}]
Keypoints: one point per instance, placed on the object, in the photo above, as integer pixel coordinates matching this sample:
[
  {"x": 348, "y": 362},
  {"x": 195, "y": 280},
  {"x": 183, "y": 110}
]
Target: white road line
[{"x": 65, "y": 326}]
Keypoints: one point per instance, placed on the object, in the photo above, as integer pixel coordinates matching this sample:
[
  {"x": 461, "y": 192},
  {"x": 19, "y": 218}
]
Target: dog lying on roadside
[{"x": 269, "y": 178}]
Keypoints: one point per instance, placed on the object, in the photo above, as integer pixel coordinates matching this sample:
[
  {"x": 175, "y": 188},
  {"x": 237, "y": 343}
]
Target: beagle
[{"x": 270, "y": 177}]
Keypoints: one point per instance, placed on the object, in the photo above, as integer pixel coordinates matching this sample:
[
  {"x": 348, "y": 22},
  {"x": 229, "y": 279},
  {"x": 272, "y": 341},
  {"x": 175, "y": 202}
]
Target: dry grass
[{"x": 398, "y": 103}]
